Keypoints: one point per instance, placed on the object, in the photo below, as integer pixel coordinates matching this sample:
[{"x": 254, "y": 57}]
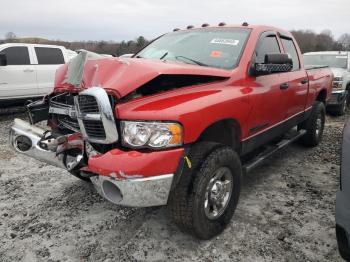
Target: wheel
[
  {"x": 204, "y": 200},
  {"x": 341, "y": 109},
  {"x": 314, "y": 126}
]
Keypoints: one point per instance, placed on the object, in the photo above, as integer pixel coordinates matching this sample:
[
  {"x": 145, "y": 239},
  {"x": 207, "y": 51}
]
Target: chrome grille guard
[{"x": 104, "y": 115}]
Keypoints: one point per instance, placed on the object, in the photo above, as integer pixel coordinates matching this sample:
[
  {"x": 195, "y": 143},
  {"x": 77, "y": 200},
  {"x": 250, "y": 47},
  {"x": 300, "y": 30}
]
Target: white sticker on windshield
[
  {"x": 344, "y": 57},
  {"x": 224, "y": 41}
]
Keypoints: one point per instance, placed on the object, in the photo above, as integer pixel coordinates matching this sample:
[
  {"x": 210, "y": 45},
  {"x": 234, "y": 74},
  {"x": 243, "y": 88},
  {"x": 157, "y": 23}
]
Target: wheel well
[
  {"x": 226, "y": 132},
  {"x": 322, "y": 95}
]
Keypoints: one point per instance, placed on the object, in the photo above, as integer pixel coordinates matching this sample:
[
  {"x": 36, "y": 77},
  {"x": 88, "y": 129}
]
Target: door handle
[
  {"x": 27, "y": 70},
  {"x": 284, "y": 86},
  {"x": 304, "y": 81}
]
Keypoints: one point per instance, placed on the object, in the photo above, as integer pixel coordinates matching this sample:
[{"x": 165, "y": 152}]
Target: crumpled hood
[
  {"x": 123, "y": 76},
  {"x": 338, "y": 72}
]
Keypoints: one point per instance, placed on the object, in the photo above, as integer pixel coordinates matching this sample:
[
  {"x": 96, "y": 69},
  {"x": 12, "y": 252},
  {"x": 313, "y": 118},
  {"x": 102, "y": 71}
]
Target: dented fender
[{"x": 135, "y": 164}]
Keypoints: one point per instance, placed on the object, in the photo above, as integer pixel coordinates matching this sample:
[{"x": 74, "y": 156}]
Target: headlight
[
  {"x": 338, "y": 82},
  {"x": 151, "y": 134},
  {"x": 340, "y": 78}
]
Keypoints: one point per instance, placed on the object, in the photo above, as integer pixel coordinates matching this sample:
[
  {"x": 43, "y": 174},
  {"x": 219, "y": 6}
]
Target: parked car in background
[
  {"x": 83, "y": 50},
  {"x": 340, "y": 65},
  {"x": 177, "y": 124},
  {"x": 28, "y": 70},
  {"x": 342, "y": 212}
]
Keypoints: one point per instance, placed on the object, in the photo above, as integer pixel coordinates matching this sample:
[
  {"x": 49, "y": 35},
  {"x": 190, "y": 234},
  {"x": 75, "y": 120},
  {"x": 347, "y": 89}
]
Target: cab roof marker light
[
  {"x": 245, "y": 24},
  {"x": 205, "y": 25},
  {"x": 222, "y": 24},
  {"x": 176, "y": 29},
  {"x": 190, "y": 27}
]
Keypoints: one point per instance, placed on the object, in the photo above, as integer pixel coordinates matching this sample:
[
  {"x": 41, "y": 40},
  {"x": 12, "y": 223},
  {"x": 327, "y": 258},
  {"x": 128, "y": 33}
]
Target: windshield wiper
[
  {"x": 190, "y": 59},
  {"x": 163, "y": 56}
]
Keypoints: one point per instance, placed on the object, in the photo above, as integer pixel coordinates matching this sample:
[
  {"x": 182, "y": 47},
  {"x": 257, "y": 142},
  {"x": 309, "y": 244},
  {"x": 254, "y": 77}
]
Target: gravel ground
[{"x": 286, "y": 213}]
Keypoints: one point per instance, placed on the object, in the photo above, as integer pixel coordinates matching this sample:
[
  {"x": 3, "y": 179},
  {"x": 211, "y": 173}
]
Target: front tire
[
  {"x": 205, "y": 198},
  {"x": 314, "y": 126},
  {"x": 341, "y": 109}
]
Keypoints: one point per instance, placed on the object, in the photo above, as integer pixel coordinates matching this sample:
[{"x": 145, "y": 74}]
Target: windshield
[
  {"x": 213, "y": 47},
  {"x": 338, "y": 61}
]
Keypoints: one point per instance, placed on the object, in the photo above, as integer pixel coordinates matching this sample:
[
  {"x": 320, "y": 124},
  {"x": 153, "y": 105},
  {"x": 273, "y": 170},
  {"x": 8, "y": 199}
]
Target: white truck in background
[
  {"x": 28, "y": 70},
  {"x": 339, "y": 62}
]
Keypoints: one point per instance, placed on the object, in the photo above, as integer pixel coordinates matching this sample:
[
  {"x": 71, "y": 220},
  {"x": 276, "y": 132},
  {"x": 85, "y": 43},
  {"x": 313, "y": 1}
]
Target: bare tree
[
  {"x": 310, "y": 41},
  {"x": 344, "y": 41},
  {"x": 10, "y": 36}
]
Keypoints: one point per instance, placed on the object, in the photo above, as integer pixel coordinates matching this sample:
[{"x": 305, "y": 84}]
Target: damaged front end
[
  {"x": 85, "y": 129},
  {"x": 84, "y": 140},
  {"x": 43, "y": 146}
]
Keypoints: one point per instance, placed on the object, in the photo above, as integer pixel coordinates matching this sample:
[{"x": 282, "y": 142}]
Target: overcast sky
[{"x": 127, "y": 19}]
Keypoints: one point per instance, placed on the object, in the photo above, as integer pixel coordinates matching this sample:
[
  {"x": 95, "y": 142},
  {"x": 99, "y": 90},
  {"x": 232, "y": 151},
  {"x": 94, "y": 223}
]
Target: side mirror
[
  {"x": 274, "y": 63},
  {"x": 3, "y": 60}
]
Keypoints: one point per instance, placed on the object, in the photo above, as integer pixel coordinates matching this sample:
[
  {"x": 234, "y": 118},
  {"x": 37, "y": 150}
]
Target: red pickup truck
[{"x": 180, "y": 121}]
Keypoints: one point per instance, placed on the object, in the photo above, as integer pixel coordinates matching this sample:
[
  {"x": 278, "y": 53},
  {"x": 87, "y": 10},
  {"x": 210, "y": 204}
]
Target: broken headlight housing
[{"x": 137, "y": 134}]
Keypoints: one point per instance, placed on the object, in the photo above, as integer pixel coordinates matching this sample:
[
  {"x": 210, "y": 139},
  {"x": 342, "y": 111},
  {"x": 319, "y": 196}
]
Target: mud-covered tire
[
  {"x": 314, "y": 126},
  {"x": 186, "y": 202}
]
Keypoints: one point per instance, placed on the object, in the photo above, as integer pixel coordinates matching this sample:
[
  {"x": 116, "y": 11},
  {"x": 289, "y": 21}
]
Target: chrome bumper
[
  {"x": 339, "y": 91},
  {"x": 138, "y": 192},
  {"x": 135, "y": 192},
  {"x": 33, "y": 136}
]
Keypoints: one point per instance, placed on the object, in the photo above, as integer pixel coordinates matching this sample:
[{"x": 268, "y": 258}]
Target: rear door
[
  {"x": 18, "y": 77},
  {"x": 270, "y": 100},
  {"x": 48, "y": 60},
  {"x": 298, "y": 80}
]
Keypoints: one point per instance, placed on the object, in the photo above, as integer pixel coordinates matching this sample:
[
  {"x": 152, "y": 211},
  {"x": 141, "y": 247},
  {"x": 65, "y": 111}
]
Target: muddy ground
[{"x": 285, "y": 213}]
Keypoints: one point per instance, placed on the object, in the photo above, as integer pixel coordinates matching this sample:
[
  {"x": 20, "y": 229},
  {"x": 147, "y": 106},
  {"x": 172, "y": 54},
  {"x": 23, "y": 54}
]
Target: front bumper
[
  {"x": 129, "y": 178},
  {"x": 137, "y": 192},
  {"x": 337, "y": 98}
]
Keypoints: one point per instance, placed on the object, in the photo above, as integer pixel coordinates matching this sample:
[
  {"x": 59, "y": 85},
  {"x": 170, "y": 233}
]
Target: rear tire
[
  {"x": 205, "y": 198},
  {"x": 314, "y": 126}
]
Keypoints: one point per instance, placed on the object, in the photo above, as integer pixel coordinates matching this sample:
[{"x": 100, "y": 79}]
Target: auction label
[{"x": 224, "y": 41}]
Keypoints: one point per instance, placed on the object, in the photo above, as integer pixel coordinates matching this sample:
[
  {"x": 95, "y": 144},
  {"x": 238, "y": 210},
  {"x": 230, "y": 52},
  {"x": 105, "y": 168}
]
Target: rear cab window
[
  {"x": 49, "y": 56},
  {"x": 290, "y": 49},
  {"x": 17, "y": 55}
]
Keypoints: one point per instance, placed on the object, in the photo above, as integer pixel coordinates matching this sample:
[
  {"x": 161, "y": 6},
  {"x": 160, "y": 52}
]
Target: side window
[
  {"x": 17, "y": 55},
  {"x": 290, "y": 49},
  {"x": 49, "y": 56},
  {"x": 267, "y": 45}
]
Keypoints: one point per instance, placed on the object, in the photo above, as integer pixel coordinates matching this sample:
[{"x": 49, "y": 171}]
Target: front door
[
  {"x": 18, "y": 77},
  {"x": 269, "y": 97}
]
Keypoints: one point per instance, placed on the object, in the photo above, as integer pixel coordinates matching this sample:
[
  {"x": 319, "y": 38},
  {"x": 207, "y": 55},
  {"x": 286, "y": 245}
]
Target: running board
[{"x": 270, "y": 150}]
